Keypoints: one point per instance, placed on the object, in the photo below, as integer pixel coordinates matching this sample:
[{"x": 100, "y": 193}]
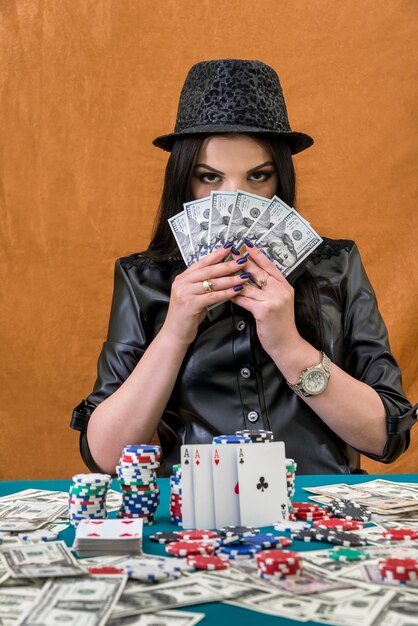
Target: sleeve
[
  {"x": 369, "y": 359},
  {"x": 125, "y": 344}
]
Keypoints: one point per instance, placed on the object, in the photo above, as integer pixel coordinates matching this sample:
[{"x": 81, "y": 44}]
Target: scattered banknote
[
  {"x": 41, "y": 560},
  {"x": 16, "y": 601},
  {"x": 284, "y": 236},
  {"x": 88, "y": 601},
  {"x": 162, "y": 618},
  {"x": 29, "y": 514}
]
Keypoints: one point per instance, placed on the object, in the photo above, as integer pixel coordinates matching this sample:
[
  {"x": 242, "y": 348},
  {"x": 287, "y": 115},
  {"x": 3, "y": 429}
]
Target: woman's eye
[
  {"x": 261, "y": 176},
  {"x": 208, "y": 178}
]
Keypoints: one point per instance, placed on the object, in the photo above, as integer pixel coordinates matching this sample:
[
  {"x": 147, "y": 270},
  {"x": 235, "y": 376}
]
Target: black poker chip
[
  {"x": 165, "y": 537},
  {"x": 239, "y": 531},
  {"x": 346, "y": 539},
  {"x": 307, "y": 534},
  {"x": 350, "y": 510}
]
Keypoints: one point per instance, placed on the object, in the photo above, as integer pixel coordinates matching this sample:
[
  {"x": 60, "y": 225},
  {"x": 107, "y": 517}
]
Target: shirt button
[
  {"x": 252, "y": 416},
  {"x": 245, "y": 372},
  {"x": 241, "y": 325}
]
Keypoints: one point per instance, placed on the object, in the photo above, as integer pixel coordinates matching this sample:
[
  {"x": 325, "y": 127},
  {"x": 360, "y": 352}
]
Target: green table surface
[{"x": 217, "y": 614}]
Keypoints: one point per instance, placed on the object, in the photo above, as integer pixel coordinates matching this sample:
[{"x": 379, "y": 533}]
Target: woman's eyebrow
[{"x": 212, "y": 169}]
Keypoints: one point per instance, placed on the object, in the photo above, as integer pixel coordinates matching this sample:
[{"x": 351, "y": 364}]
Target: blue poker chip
[
  {"x": 239, "y": 550},
  {"x": 141, "y": 450},
  {"x": 231, "y": 439},
  {"x": 266, "y": 540}
]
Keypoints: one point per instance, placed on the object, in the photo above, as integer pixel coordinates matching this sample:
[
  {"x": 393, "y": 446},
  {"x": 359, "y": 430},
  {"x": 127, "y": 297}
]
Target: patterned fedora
[{"x": 233, "y": 95}]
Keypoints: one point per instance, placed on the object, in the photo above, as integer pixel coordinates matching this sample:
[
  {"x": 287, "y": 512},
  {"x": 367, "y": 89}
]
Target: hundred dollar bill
[
  {"x": 247, "y": 208},
  {"x": 23, "y": 515},
  {"x": 16, "y": 601},
  {"x": 222, "y": 204},
  {"x": 273, "y": 214},
  {"x": 180, "y": 227},
  {"x": 162, "y": 618},
  {"x": 198, "y": 213},
  {"x": 40, "y": 560},
  {"x": 83, "y": 601},
  {"x": 289, "y": 242},
  {"x": 186, "y": 592}
]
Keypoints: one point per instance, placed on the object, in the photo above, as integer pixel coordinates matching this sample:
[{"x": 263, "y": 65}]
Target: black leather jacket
[{"x": 227, "y": 382}]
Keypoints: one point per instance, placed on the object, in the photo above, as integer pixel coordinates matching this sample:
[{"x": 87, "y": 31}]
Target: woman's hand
[
  {"x": 272, "y": 305},
  {"x": 189, "y": 300}
]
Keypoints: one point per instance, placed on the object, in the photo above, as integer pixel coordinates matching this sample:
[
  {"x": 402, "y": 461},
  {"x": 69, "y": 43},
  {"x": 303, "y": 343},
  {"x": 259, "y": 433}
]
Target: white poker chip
[
  {"x": 38, "y": 535},
  {"x": 288, "y": 526}
]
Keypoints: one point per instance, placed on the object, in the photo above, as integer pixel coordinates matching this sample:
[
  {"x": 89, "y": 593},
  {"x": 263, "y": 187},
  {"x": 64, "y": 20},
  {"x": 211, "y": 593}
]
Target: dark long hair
[{"x": 177, "y": 189}]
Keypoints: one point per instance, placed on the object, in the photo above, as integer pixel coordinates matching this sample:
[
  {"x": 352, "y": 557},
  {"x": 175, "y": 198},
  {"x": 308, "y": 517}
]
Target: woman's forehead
[{"x": 223, "y": 147}]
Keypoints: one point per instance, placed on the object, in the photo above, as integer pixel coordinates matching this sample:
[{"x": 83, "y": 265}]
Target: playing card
[
  {"x": 225, "y": 484},
  {"x": 187, "y": 488},
  {"x": 204, "y": 506},
  {"x": 261, "y": 470},
  {"x": 109, "y": 529}
]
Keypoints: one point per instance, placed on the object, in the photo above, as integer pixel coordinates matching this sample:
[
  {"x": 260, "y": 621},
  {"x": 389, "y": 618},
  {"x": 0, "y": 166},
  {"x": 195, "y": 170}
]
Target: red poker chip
[
  {"x": 195, "y": 535},
  {"x": 271, "y": 557},
  {"x": 397, "y": 566},
  {"x": 305, "y": 506},
  {"x": 284, "y": 542},
  {"x": 107, "y": 569},
  {"x": 311, "y": 517},
  {"x": 271, "y": 571},
  {"x": 338, "y": 524},
  {"x": 186, "y": 548},
  {"x": 145, "y": 460},
  {"x": 207, "y": 562},
  {"x": 400, "y": 534}
]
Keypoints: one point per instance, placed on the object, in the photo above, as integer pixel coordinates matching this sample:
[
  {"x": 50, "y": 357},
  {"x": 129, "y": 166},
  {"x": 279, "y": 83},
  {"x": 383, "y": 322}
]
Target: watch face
[{"x": 315, "y": 382}]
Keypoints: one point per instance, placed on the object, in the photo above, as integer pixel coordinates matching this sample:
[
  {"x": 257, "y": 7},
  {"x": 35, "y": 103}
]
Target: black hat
[{"x": 232, "y": 95}]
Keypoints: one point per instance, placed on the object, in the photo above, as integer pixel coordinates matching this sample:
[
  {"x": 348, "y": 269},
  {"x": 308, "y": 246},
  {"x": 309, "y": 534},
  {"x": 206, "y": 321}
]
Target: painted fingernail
[
  {"x": 245, "y": 275},
  {"x": 228, "y": 244},
  {"x": 248, "y": 243},
  {"x": 241, "y": 261},
  {"x": 235, "y": 251},
  {"x": 237, "y": 287}
]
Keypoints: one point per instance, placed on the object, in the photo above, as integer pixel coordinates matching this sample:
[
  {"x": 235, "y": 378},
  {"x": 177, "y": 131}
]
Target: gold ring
[
  {"x": 263, "y": 281},
  {"x": 208, "y": 286}
]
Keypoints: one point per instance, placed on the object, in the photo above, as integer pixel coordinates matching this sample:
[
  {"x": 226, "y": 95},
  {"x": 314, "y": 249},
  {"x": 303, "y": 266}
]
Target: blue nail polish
[
  {"x": 228, "y": 244},
  {"x": 237, "y": 288},
  {"x": 241, "y": 261},
  {"x": 245, "y": 275},
  {"x": 248, "y": 243},
  {"x": 235, "y": 251}
]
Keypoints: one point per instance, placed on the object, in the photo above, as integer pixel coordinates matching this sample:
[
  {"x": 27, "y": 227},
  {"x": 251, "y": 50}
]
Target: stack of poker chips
[
  {"x": 225, "y": 439},
  {"x": 399, "y": 570},
  {"x": 257, "y": 436},
  {"x": 278, "y": 565},
  {"x": 175, "y": 496},
  {"x": 136, "y": 474},
  {"x": 87, "y": 497}
]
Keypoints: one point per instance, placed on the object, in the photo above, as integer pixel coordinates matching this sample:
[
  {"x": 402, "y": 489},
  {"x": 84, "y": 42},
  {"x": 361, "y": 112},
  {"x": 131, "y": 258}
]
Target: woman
[{"x": 307, "y": 358}]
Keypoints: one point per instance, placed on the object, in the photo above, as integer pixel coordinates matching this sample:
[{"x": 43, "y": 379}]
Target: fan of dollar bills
[{"x": 277, "y": 229}]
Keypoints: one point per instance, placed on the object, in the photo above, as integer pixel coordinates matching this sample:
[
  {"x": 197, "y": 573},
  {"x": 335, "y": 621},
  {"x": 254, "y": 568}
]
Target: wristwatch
[{"x": 313, "y": 380}]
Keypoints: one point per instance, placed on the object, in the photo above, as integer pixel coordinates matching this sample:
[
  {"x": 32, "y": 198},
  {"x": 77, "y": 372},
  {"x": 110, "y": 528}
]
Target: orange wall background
[{"x": 85, "y": 85}]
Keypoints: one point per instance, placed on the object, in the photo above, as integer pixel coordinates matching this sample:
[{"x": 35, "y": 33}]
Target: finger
[
  {"x": 199, "y": 274},
  {"x": 220, "y": 284},
  {"x": 216, "y": 256},
  {"x": 264, "y": 263}
]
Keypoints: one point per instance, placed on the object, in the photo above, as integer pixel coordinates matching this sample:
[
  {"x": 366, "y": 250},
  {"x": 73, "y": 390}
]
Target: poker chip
[
  {"x": 176, "y": 496},
  {"x": 348, "y": 554},
  {"x": 195, "y": 535},
  {"x": 136, "y": 474},
  {"x": 239, "y": 551},
  {"x": 87, "y": 497},
  {"x": 346, "y": 539},
  {"x": 165, "y": 537},
  {"x": 277, "y": 564},
  {"x": 225, "y": 439},
  {"x": 267, "y": 540},
  {"x": 350, "y": 510},
  {"x": 38, "y": 535},
  {"x": 402, "y": 570},
  {"x": 339, "y": 524},
  {"x": 186, "y": 548},
  {"x": 256, "y": 436},
  {"x": 105, "y": 569},
  {"x": 291, "y": 526},
  {"x": 239, "y": 531},
  {"x": 207, "y": 562},
  {"x": 401, "y": 534}
]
